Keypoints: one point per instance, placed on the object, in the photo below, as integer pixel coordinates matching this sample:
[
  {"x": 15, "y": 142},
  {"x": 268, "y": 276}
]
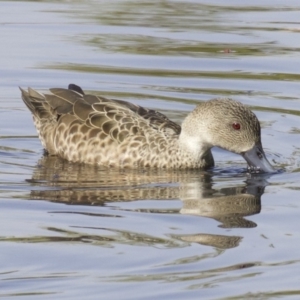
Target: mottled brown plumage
[{"x": 96, "y": 130}]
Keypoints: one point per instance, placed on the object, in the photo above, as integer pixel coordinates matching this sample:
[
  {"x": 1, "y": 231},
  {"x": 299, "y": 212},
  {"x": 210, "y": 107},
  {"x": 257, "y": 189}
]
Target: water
[{"x": 71, "y": 231}]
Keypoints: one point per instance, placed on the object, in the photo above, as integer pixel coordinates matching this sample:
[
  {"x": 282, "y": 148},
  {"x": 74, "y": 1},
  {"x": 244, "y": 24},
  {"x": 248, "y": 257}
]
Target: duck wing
[
  {"x": 157, "y": 120},
  {"x": 116, "y": 118}
]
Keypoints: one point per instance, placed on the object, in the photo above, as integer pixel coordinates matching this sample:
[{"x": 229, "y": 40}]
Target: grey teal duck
[{"x": 92, "y": 129}]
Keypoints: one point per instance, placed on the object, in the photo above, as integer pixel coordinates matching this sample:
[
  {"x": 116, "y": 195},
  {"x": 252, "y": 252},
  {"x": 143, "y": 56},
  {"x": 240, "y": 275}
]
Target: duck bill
[{"x": 257, "y": 160}]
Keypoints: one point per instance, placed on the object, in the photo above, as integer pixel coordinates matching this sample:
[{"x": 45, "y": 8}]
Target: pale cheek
[{"x": 243, "y": 147}]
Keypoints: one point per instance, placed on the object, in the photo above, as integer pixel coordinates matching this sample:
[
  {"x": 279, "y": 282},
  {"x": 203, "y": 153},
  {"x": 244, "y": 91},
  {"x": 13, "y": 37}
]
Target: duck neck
[{"x": 196, "y": 147}]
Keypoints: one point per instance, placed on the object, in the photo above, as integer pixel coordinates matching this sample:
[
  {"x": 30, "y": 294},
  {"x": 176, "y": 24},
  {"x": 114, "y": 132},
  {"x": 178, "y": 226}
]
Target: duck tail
[
  {"x": 36, "y": 103},
  {"x": 44, "y": 116}
]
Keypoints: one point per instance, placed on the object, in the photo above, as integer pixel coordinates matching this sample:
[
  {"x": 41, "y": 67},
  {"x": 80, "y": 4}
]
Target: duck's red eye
[{"x": 236, "y": 126}]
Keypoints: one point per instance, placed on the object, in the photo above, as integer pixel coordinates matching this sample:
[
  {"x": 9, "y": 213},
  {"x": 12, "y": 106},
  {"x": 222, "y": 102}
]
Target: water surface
[{"x": 72, "y": 231}]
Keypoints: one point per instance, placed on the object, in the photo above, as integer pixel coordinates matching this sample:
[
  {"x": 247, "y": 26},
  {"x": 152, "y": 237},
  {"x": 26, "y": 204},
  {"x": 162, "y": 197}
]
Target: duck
[{"x": 91, "y": 129}]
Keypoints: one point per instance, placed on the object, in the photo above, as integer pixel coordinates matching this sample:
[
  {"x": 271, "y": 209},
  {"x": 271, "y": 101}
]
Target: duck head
[{"x": 227, "y": 124}]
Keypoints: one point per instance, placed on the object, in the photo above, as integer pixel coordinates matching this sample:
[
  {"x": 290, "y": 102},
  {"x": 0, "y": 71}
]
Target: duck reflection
[
  {"x": 60, "y": 181},
  {"x": 227, "y": 205}
]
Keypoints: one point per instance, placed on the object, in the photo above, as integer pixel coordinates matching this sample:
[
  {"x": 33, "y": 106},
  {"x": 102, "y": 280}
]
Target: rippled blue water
[{"x": 70, "y": 231}]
